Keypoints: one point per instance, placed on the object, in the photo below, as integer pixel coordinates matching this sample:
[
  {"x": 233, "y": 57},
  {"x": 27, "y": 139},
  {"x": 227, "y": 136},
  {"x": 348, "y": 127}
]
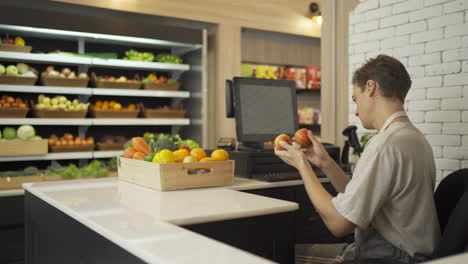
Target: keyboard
[{"x": 283, "y": 176}]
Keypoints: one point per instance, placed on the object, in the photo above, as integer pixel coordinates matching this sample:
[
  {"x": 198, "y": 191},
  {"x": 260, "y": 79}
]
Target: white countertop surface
[{"x": 145, "y": 222}]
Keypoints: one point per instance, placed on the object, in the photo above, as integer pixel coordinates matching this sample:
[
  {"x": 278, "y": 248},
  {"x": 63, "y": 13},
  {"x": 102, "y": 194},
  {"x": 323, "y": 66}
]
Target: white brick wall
[{"x": 430, "y": 37}]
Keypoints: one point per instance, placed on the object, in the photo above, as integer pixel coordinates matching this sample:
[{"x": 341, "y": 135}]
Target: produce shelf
[
  {"x": 44, "y": 58},
  {"x": 140, "y": 65},
  {"x": 65, "y": 156},
  {"x": 45, "y": 89},
  {"x": 96, "y": 38},
  {"x": 47, "y": 121},
  {"x": 92, "y": 91},
  {"x": 96, "y": 121},
  {"x": 141, "y": 121},
  {"x": 92, "y": 62}
]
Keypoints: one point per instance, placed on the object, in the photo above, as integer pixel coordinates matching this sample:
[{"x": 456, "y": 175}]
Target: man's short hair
[{"x": 388, "y": 72}]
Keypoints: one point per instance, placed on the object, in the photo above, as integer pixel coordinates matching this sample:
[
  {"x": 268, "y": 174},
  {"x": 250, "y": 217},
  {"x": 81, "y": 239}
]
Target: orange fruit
[
  {"x": 219, "y": 155},
  {"x": 198, "y": 153},
  {"x": 117, "y": 106},
  {"x": 206, "y": 159},
  {"x": 180, "y": 154}
]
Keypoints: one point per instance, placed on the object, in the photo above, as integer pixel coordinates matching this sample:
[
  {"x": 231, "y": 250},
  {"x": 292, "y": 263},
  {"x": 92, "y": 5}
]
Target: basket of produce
[
  {"x": 11, "y": 107},
  {"x": 14, "y": 45},
  {"x": 21, "y": 74},
  {"x": 152, "y": 82},
  {"x": 95, "y": 169},
  {"x": 10, "y": 180},
  {"x": 111, "y": 143},
  {"x": 163, "y": 112},
  {"x": 22, "y": 141},
  {"x": 59, "y": 107},
  {"x": 69, "y": 143},
  {"x": 115, "y": 83},
  {"x": 173, "y": 169},
  {"x": 134, "y": 55},
  {"x": 112, "y": 109},
  {"x": 65, "y": 78}
]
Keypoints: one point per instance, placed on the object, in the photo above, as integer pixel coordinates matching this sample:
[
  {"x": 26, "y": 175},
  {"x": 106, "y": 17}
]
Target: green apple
[
  {"x": 75, "y": 102},
  {"x": 54, "y": 101},
  {"x": 189, "y": 159}
]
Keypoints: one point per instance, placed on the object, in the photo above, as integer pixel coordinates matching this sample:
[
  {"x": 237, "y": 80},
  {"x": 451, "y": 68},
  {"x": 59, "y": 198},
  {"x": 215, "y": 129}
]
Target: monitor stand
[{"x": 252, "y": 146}]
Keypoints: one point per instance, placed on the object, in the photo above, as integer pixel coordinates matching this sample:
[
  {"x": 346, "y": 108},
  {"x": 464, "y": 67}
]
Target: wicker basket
[
  {"x": 164, "y": 113},
  {"x": 113, "y": 84},
  {"x": 71, "y": 148},
  {"x": 13, "y": 112},
  {"x": 45, "y": 113},
  {"x": 15, "y": 48},
  {"x": 115, "y": 113},
  {"x": 65, "y": 82},
  {"x": 17, "y": 80},
  {"x": 161, "y": 86},
  {"x": 110, "y": 146}
]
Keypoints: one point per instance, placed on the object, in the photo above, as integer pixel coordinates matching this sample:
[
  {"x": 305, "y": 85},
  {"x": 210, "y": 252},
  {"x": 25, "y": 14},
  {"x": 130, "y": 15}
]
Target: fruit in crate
[
  {"x": 152, "y": 78},
  {"x": 219, "y": 155},
  {"x": 114, "y": 140},
  {"x": 137, "y": 149},
  {"x": 60, "y": 103},
  {"x": 168, "y": 58},
  {"x": 8, "y": 40},
  {"x": 138, "y": 56},
  {"x": 69, "y": 140},
  {"x": 11, "y": 102},
  {"x": 20, "y": 70},
  {"x": 64, "y": 73},
  {"x": 112, "y": 105},
  {"x": 19, "y": 41},
  {"x": 108, "y": 78}
]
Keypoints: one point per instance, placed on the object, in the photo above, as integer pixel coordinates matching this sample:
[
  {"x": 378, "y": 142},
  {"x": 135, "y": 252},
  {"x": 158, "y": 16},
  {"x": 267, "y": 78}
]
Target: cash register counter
[{"x": 110, "y": 221}]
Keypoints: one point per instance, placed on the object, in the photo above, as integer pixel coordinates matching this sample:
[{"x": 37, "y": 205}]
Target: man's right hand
[{"x": 316, "y": 152}]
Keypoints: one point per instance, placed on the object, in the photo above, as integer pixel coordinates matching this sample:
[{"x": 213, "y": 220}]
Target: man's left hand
[{"x": 292, "y": 155}]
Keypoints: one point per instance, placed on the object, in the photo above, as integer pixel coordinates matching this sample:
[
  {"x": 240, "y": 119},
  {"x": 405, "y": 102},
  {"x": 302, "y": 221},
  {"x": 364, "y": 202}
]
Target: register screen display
[{"x": 266, "y": 110}]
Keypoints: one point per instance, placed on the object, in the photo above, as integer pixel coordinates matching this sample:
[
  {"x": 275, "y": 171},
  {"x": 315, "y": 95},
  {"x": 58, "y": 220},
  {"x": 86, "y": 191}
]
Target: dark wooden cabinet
[
  {"x": 12, "y": 229},
  {"x": 309, "y": 227}
]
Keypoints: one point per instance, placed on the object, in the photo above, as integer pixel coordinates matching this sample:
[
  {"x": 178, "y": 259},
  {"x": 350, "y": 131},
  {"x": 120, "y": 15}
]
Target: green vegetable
[
  {"x": 162, "y": 143},
  {"x": 189, "y": 142},
  {"x": 26, "y": 132},
  {"x": 30, "y": 171},
  {"x": 9, "y": 133},
  {"x": 112, "y": 164},
  {"x": 102, "y": 172},
  {"x": 69, "y": 172},
  {"x": 150, "y": 157}
]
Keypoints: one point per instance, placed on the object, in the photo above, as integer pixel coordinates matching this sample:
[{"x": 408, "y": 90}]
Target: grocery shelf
[
  {"x": 96, "y": 121},
  {"x": 92, "y": 62},
  {"x": 140, "y": 65},
  {"x": 92, "y": 91},
  {"x": 141, "y": 121},
  {"x": 50, "y": 156},
  {"x": 43, "y": 58},
  {"x": 47, "y": 121},
  {"x": 94, "y": 37},
  {"x": 45, "y": 89},
  {"x": 106, "y": 154},
  {"x": 147, "y": 93}
]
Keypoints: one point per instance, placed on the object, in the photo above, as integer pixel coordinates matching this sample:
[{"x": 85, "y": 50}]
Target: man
[{"x": 388, "y": 203}]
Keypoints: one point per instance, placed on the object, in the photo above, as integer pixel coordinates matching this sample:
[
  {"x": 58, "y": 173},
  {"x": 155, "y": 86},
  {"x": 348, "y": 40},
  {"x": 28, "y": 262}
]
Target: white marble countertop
[
  {"x": 146, "y": 222},
  {"x": 240, "y": 184}
]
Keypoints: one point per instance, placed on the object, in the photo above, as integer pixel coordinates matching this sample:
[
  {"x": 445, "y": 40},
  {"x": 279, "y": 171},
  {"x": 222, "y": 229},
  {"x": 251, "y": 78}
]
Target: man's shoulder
[{"x": 398, "y": 138}]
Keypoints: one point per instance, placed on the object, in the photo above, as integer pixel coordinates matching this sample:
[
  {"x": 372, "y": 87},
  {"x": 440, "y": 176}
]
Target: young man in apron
[{"x": 388, "y": 203}]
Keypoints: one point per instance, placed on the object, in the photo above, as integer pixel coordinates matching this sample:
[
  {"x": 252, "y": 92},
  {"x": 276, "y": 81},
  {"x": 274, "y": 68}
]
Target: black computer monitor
[{"x": 263, "y": 109}]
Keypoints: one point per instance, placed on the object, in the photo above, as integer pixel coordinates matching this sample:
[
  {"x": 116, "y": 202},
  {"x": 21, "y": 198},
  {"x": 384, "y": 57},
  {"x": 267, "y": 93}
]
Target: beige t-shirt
[{"x": 391, "y": 194}]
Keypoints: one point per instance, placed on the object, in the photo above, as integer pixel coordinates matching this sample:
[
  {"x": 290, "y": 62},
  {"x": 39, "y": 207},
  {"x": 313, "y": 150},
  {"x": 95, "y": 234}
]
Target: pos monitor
[{"x": 262, "y": 108}]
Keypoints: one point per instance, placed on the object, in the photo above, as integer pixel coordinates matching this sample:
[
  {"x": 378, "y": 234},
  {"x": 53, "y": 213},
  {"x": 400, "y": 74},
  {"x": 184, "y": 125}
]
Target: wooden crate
[
  {"x": 175, "y": 176},
  {"x": 164, "y": 113},
  {"x": 115, "y": 113},
  {"x": 15, "y": 48},
  {"x": 13, "y": 112},
  {"x": 45, "y": 113},
  {"x": 12, "y": 183},
  {"x": 71, "y": 148},
  {"x": 18, "y": 147},
  {"x": 161, "y": 86},
  {"x": 109, "y": 146},
  {"x": 17, "y": 80},
  {"x": 64, "y": 82}
]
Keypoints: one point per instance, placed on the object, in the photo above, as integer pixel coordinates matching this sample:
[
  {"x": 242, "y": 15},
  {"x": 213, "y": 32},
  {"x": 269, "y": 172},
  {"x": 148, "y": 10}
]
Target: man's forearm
[{"x": 337, "y": 176}]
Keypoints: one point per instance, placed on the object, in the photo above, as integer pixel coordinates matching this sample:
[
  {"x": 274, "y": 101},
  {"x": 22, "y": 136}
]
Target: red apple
[
  {"x": 282, "y": 137},
  {"x": 185, "y": 147},
  {"x": 302, "y": 138}
]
